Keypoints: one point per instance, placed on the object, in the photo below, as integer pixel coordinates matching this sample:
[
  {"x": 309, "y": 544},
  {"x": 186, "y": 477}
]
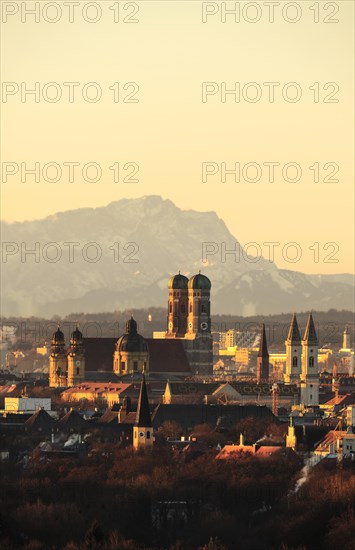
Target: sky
[{"x": 139, "y": 101}]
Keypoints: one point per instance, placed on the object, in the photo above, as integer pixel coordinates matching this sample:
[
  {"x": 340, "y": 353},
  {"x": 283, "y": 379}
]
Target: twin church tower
[
  {"x": 302, "y": 361},
  {"x": 188, "y": 320}
]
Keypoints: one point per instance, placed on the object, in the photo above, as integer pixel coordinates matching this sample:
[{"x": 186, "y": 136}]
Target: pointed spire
[
  {"x": 310, "y": 335},
  {"x": 294, "y": 336},
  {"x": 143, "y": 419},
  {"x": 263, "y": 351}
]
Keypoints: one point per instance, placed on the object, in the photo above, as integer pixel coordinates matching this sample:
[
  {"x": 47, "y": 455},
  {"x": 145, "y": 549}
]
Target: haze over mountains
[{"x": 166, "y": 239}]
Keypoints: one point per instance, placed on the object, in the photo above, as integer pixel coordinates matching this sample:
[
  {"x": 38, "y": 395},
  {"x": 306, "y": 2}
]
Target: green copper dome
[
  {"x": 199, "y": 282},
  {"x": 178, "y": 282}
]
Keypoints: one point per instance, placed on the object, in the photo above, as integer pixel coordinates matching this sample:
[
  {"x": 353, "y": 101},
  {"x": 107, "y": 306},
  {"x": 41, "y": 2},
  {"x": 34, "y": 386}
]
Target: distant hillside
[
  {"x": 330, "y": 325},
  {"x": 166, "y": 239}
]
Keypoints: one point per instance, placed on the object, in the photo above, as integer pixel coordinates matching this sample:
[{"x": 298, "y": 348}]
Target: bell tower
[
  {"x": 177, "y": 306},
  {"x": 291, "y": 440},
  {"x": 142, "y": 429},
  {"x": 309, "y": 374},
  {"x": 58, "y": 361},
  {"x": 198, "y": 339},
  {"x": 262, "y": 363},
  {"x": 293, "y": 353},
  {"x": 199, "y": 314},
  {"x": 76, "y": 359}
]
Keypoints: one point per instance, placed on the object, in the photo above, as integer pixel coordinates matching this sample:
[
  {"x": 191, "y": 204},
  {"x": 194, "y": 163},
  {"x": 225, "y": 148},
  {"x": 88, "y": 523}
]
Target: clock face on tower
[
  {"x": 141, "y": 435},
  {"x": 204, "y": 325},
  {"x": 77, "y": 363},
  {"x": 170, "y": 325}
]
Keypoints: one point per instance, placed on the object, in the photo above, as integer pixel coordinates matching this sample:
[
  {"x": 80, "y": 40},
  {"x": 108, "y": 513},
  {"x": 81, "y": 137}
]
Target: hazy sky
[{"x": 170, "y": 132}]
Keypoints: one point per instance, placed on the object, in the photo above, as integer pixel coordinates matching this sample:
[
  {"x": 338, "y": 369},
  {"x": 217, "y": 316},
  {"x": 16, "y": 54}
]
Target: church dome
[
  {"x": 58, "y": 337},
  {"x": 200, "y": 282},
  {"x": 131, "y": 341},
  {"x": 131, "y": 326},
  {"x": 76, "y": 335},
  {"x": 178, "y": 282}
]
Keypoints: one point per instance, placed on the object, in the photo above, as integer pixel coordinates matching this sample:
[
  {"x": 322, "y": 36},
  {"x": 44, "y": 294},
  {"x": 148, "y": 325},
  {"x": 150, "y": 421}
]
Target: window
[
  {"x": 77, "y": 370},
  {"x": 311, "y": 362},
  {"x": 190, "y": 308},
  {"x": 123, "y": 365},
  {"x": 182, "y": 308},
  {"x": 170, "y": 307},
  {"x": 203, "y": 308},
  {"x": 148, "y": 434},
  {"x": 135, "y": 365},
  {"x": 294, "y": 362}
]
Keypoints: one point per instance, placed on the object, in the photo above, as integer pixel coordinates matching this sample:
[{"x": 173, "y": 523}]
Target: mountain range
[{"x": 138, "y": 245}]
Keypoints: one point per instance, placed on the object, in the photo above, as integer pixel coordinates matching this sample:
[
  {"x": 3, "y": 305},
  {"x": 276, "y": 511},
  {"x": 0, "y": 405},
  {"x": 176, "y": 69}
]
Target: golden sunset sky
[{"x": 170, "y": 132}]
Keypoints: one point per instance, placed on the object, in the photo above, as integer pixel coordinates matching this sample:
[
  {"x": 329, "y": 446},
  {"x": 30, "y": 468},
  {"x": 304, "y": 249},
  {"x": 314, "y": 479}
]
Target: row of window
[
  {"x": 183, "y": 310},
  {"x": 310, "y": 362}
]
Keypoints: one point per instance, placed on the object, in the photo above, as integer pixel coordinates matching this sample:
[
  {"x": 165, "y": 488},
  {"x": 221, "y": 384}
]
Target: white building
[{"x": 27, "y": 404}]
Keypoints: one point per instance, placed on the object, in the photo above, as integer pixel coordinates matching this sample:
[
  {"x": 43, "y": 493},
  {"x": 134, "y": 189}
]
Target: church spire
[
  {"x": 263, "y": 351},
  {"x": 262, "y": 363},
  {"x": 294, "y": 336},
  {"x": 143, "y": 419},
  {"x": 310, "y": 335}
]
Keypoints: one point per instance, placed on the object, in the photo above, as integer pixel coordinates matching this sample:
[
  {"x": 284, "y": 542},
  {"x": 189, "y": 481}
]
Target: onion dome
[
  {"x": 178, "y": 282},
  {"x": 76, "y": 335},
  {"x": 131, "y": 341},
  {"x": 199, "y": 282},
  {"x": 58, "y": 343},
  {"x": 131, "y": 326},
  {"x": 58, "y": 337}
]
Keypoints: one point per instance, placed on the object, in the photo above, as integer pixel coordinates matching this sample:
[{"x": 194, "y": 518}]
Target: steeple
[
  {"x": 309, "y": 378},
  {"x": 263, "y": 351},
  {"x": 293, "y": 353},
  {"x": 262, "y": 364},
  {"x": 294, "y": 336},
  {"x": 310, "y": 335},
  {"x": 143, "y": 414},
  {"x": 142, "y": 429},
  {"x": 57, "y": 360}
]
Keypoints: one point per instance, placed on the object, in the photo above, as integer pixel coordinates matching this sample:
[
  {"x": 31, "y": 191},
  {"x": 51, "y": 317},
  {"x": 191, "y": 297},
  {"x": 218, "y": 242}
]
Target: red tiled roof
[
  {"x": 232, "y": 451},
  {"x": 164, "y": 355},
  {"x": 167, "y": 356},
  {"x": 268, "y": 450}
]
